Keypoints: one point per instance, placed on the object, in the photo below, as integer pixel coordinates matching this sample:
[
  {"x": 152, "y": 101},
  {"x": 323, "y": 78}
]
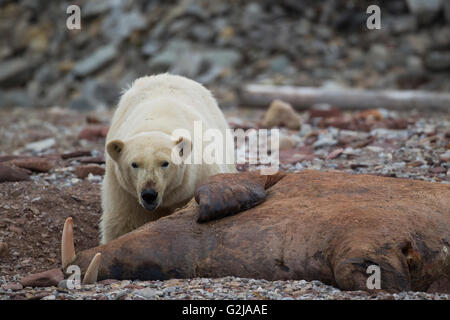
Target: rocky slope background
[
  {"x": 58, "y": 88},
  {"x": 222, "y": 44}
]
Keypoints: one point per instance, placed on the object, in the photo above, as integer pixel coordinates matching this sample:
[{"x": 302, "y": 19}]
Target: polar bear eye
[
  {"x": 165, "y": 164},
  {"x": 134, "y": 165}
]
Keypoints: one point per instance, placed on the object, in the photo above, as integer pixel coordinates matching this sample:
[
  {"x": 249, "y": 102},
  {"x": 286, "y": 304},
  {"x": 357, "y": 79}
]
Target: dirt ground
[{"x": 32, "y": 212}]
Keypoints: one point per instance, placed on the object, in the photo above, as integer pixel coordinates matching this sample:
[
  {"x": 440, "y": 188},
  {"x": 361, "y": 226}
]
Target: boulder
[
  {"x": 43, "y": 279},
  {"x": 13, "y": 174},
  {"x": 281, "y": 114},
  {"x": 326, "y": 226},
  {"x": 84, "y": 170}
]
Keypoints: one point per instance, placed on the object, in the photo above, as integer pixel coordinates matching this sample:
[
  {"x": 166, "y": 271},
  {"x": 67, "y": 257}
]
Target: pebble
[
  {"x": 44, "y": 279},
  {"x": 281, "y": 114},
  {"x": 39, "y": 146},
  {"x": 12, "y": 174},
  {"x": 85, "y": 170}
]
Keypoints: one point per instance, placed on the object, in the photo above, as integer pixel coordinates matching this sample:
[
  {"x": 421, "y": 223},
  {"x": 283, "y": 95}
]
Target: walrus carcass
[{"x": 326, "y": 226}]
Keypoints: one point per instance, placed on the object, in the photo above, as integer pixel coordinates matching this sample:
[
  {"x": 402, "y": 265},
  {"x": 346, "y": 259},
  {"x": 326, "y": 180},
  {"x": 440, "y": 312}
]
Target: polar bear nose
[{"x": 149, "y": 196}]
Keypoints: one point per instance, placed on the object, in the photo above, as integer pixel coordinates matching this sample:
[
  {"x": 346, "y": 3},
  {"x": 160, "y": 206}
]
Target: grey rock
[
  {"x": 150, "y": 47},
  {"x": 438, "y": 60},
  {"x": 402, "y": 24},
  {"x": 202, "y": 32},
  {"x": 447, "y": 11},
  {"x": 15, "y": 98},
  {"x": 425, "y": 10},
  {"x": 279, "y": 63},
  {"x": 149, "y": 293},
  {"x": 95, "y": 94},
  {"x": 82, "y": 104},
  {"x": 95, "y": 61},
  {"x": 118, "y": 25},
  {"x": 15, "y": 71},
  {"x": 95, "y": 8},
  {"x": 182, "y": 57}
]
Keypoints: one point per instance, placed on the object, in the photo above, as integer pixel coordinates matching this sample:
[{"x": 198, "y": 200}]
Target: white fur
[{"x": 147, "y": 114}]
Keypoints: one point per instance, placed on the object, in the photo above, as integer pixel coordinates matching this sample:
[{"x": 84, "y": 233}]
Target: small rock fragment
[
  {"x": 287, "y": 142},
  {"x": 281, "y": 114},
  {"x": 335, "y": 153},
  {"x": 324, "y": 110},
  {"x": 83, "y": 171},
  {"x": 34, "y": 164},
  {"x": 43, "y": 279},
  {"x": 76, "y": 154},
  {"x": 14, "y": 286},
  {"x": 12, "y": 174},
  {"x": 3, "y": 249},
  {"x": 94, "y": 132}
]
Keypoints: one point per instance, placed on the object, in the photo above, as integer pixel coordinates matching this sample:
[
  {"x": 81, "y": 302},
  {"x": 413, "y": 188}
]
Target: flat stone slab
[{"x": 312, "y": 225}]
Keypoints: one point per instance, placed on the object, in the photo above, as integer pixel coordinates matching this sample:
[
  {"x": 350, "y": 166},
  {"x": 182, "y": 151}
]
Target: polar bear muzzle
[{"x": 149, "y": 199}]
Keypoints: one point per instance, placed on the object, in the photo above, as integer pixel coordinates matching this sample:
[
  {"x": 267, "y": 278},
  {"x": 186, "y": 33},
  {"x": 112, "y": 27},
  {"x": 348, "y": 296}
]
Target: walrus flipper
[{"x": 228, "y": 194}]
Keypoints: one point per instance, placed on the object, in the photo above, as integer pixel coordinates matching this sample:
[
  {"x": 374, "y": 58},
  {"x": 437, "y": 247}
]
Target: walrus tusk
[
  {"x": 67, "y": 246},
  {"x": 92, "y": 270}
]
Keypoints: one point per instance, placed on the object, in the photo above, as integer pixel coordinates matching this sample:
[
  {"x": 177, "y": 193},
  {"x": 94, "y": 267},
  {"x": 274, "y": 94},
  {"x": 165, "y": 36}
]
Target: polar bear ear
[
  {"x": 114, "y": 149},
  {"x": 183, "y": 147}
]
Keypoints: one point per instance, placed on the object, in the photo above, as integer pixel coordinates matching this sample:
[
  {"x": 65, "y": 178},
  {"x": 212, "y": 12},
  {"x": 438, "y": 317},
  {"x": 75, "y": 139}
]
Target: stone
[
  {"x": 95, "y": 61},
  {"x": 335, "y": 153},
  {"x": 3, "y": 249},
  {"x": 15, "y": 98},
  {"x": 281, "y": 114},
  {"x": 93, "y": 132},
  {"x": 83, "y": 171},
  {"x": 437, "y": 60},
  {"x": 76, "y": 154},
  {"x": 34, "y": 164},
  {"x": 287, "y": 142},
  {"x": 312, "y": 225},
  {"x": 148, "y": 293},
  {"x": 425, "y": 10},
  {"x": 324, "y": 110},
  {"x": 13, "y": 286},
  {"x": 182, "y": 57},
  {"x": 41, "y": 145},
  {"x": 119, "y": 25},
  {"x": 15, "y": 71},
  {"x": 12, "y": 174},
  {"x": 445, "y": 157},
  {"x": 44, "y": 279}
]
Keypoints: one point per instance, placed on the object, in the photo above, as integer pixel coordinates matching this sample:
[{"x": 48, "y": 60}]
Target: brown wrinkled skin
[{"x": 325, "y": 226}]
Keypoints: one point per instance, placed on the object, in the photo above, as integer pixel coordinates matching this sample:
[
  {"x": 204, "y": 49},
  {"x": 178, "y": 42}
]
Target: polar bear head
[{"x": 146, "y": 168}]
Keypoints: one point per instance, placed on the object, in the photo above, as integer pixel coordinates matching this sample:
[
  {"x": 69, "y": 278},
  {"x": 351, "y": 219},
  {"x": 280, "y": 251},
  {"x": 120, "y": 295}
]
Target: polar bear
[{"x": 142, "y": 182}]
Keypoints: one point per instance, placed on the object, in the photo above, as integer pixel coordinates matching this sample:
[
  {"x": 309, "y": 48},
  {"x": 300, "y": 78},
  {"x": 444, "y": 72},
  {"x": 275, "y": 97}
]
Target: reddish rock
[
  {"x": 437, "y": 170},
  {"x": 34, "y": 164},
  {"x": 98, "y": 159},
  {"x": 83, "y": 171},
  {"x": 76, "y": 154},
  {"x": 312, "y": 225},
  {"x": 370, "y": 115},
  {"x": 440, "y": 286},
  {"x": 11, "y": 157},
  {"x": 3, "y": 249},
  {"x": 12, "y": 174},
  {"x": 281, "y": 114},
  {"x": 324, "y": 111},
  {"x": 292, "y": 156},
  {"x": 44, "y": 279},
  {"x": 94, "y": 132},
  {"x": 14, "y": 286},
  {"x": 108, "y": 281},
  {"x": 335, "y": 153}
]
